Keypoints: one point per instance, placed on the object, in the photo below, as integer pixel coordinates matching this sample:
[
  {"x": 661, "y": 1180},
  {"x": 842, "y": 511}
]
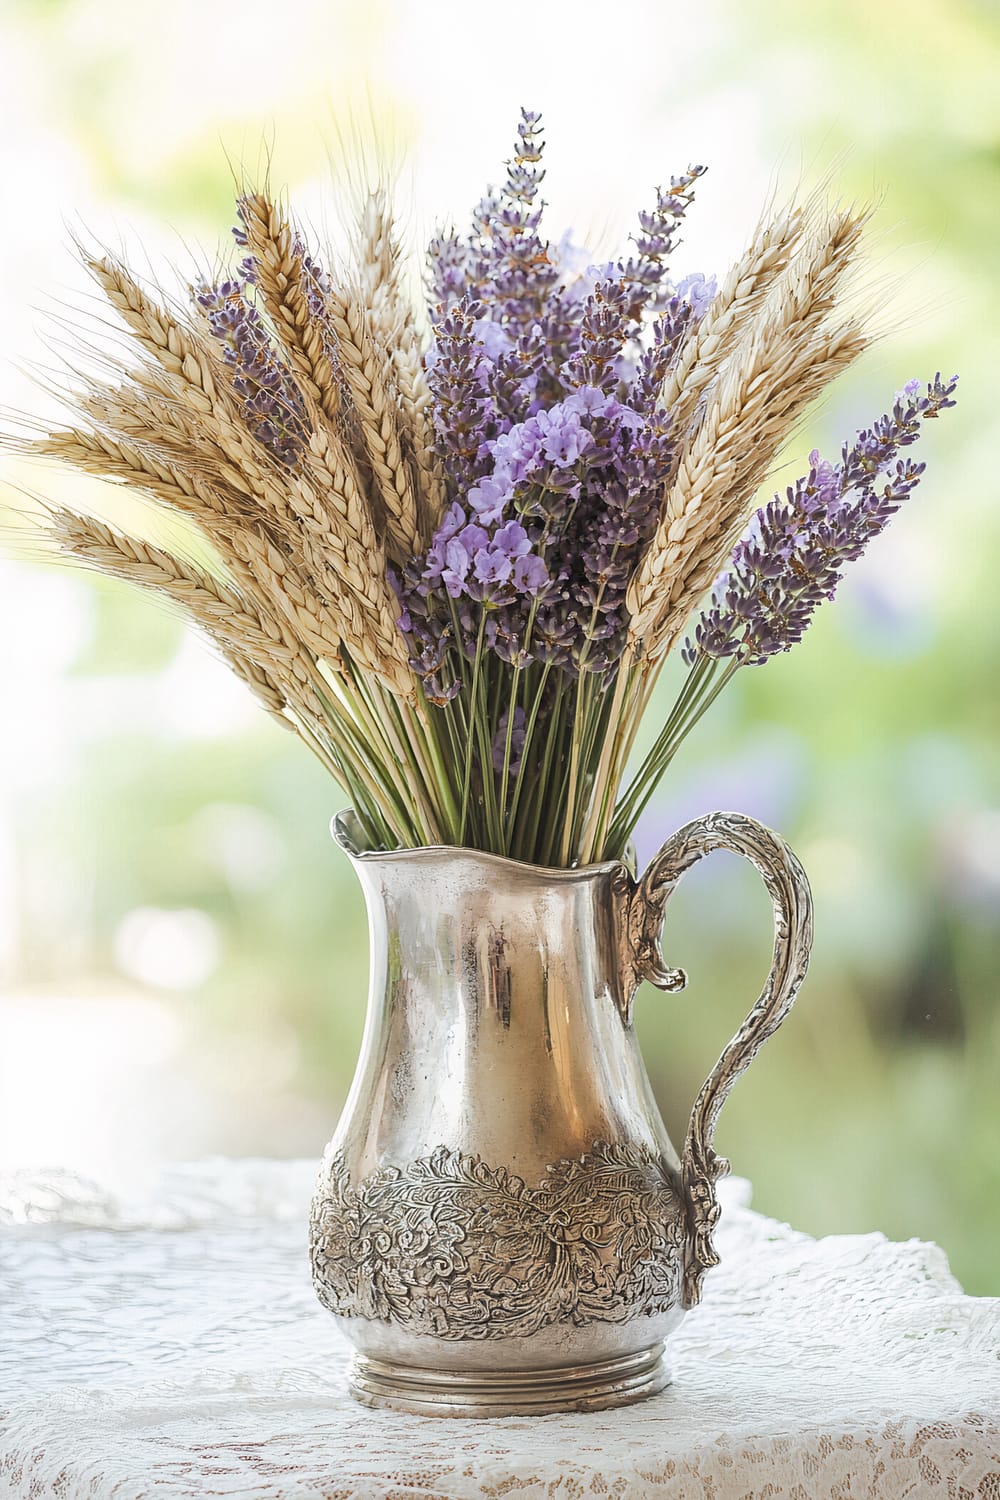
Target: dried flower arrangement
[{"x": 454, "y": 551}]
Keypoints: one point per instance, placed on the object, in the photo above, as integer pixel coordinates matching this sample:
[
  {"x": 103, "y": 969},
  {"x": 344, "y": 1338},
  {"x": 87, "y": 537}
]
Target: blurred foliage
[{"x": 875, "y": 747}]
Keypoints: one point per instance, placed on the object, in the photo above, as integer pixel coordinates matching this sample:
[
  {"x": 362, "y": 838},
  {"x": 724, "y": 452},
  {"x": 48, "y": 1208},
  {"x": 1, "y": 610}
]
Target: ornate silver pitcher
[{"x": 501, "y": 1224}]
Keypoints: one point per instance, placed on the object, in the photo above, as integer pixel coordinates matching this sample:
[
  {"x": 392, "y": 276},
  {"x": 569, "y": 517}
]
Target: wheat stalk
[
  {"x": 394, "y": 325},
  {"x": 251, "y": 554},
  {"x": 143, "y": 462},
  {"x": 708, "y": 554},
  {"x": 417, "y": 427},
  {"x": 378, "y": 421},
  {"x": 783, "y": 359},
  {"x": 280, "y": 671},
  {"x": 196, "y": 373},
  {"x": 339, "y": 527},
  {"x": 731, "y": 311},
  {"x": 159, "y": 333},
  {"x": 281, "y": 281},
  {"x": 379, "y": 258}
]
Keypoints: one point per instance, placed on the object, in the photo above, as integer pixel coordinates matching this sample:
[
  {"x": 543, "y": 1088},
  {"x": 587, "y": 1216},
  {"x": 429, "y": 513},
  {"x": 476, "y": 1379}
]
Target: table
[{"x": 173, "y": 1348}]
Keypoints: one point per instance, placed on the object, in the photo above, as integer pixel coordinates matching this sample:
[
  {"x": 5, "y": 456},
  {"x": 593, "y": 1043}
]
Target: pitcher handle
[{"x": 644, "y": 907}]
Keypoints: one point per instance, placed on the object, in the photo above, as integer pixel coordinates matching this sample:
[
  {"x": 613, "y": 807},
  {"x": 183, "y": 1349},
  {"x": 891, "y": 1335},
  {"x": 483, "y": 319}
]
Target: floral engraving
[{"x": 450, "y": 1246}]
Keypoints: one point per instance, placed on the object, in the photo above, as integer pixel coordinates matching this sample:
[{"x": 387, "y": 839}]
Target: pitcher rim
[{"x": 342, "y": 836}]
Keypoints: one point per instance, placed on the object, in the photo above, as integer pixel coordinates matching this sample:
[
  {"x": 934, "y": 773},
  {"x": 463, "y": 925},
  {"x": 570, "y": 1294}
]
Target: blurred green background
[{"x": 182, "y": 951}]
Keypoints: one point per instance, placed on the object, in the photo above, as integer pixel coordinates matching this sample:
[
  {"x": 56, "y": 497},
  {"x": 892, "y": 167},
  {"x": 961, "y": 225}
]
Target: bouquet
[{"x": 452, "y": 545}]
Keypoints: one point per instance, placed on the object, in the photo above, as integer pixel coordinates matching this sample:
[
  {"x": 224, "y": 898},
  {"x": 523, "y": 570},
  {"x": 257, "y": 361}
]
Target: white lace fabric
[{"x": 175, "y": 1349}]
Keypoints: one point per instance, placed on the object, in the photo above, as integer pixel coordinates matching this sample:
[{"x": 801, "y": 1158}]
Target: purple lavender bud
[
  {"x": 608, "y": 322},
  {"x": 493, "y": 337}
]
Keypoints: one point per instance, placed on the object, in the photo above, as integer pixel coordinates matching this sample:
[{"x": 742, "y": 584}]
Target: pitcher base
[{"x": 509, "y": 1393}]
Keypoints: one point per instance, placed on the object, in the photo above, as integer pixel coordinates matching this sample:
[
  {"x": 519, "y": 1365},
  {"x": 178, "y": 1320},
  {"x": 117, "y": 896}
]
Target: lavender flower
[
  {"x": 795, "y": 555},
  {"x": 464, "y": 413},
  {"x": 606, "y": 325},
  {"x": 271, "y": 402},
  {"x": 698, "y": 291},
  {"x": 658, "y": 229}
]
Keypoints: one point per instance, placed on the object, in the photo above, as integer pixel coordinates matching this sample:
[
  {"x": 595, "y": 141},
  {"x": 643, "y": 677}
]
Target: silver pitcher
[{"x": 501, "y": 1224}]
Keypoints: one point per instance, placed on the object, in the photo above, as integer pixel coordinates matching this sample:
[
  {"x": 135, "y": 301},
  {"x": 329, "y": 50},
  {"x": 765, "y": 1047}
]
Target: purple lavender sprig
[
  {"x": 605, "y": 327},
  {"x": 795, "y": 556},
  {"x": 271, "y": 403},
  {"x": 465, "y": 417},
  {"x": 657, "y": 238},
  {"x": 506, "y": 261}
]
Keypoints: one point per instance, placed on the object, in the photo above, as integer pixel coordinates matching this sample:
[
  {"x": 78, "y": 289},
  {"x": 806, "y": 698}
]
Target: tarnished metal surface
[{"x": 501, "y": 1223}]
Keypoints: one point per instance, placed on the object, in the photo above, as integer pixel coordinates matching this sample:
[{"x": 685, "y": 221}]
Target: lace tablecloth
[{"x": 175, "y": 1349}]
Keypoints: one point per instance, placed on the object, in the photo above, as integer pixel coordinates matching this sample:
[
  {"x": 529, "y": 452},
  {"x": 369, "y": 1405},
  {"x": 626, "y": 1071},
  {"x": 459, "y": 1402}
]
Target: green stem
[
  {"x": 429, "y": 748},
  {"x": 687, "y": 711},
  {"x": 508, "y": 743},
  {"x": 467, "y": 775},
  {"x": 574, "y": 772},
  {"x": 529, "y": 734}
]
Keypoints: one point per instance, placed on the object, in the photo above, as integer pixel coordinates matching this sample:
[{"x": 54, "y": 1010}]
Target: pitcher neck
[{"x": 467, "y": 917}]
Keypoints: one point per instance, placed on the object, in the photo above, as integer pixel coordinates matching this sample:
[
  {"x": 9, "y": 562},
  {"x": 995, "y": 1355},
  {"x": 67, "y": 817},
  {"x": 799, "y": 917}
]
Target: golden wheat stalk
[
  {"x": 250, "y": 553},
  {"x": 338, "y": 527},
  {"x": 196, "y": 374},
  {"x": 380, "y": 269},
  {"x": 277, "y": 667},
  {"x": 377, "y": 254},
  {"x": 418, "y": 428},
  {"x": 708, "y": 556},
  {"x": 781, "y": 362},
  {"x": 282, "y": 574},
  {"x": 729, "y": 314},
  {"x": 159, "y": 333},
  {"x": 282, "y": 283},
  {"x": 363, "y": 370},
  {"x": 138, "y": 460}
]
